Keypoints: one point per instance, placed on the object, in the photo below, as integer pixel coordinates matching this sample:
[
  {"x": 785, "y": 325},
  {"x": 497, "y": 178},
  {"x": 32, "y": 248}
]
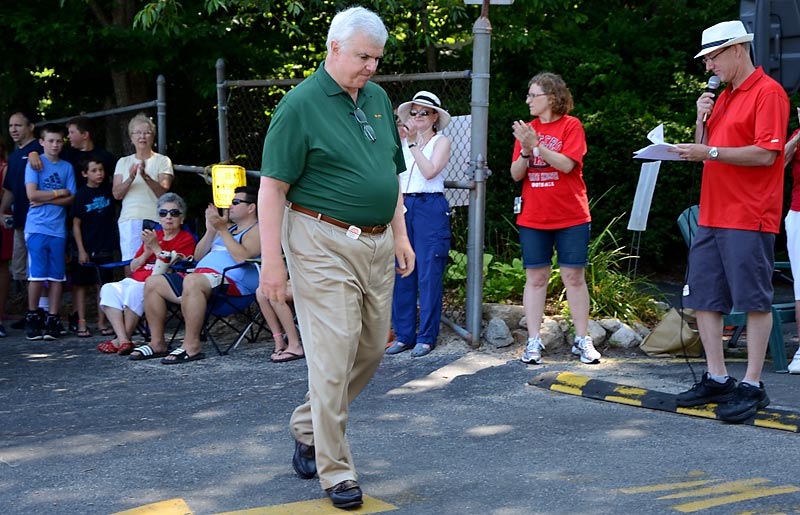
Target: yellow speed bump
[{"x": 575, "y": 384}]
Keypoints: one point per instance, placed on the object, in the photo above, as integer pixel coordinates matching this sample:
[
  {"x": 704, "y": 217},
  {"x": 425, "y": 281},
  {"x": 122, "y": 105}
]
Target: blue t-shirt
[
  {"x": 49, "y": 218},
  {"x": 15, "y": 180}
]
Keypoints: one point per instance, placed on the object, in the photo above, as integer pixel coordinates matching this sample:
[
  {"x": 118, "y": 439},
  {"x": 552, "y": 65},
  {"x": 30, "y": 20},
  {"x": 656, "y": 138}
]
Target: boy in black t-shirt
[{"x": 94, "y": 226}]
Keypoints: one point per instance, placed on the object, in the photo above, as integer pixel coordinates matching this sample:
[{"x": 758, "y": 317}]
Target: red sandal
[
  {"x": 108, "y": 347},
  {"x": 125, "y": 348}
]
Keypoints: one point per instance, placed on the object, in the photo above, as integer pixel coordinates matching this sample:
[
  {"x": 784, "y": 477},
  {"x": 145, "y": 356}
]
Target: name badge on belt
[{"x": 353, "y": 232}]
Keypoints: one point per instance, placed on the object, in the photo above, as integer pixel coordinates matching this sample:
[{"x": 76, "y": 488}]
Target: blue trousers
[{"x": 428, "y": 226}]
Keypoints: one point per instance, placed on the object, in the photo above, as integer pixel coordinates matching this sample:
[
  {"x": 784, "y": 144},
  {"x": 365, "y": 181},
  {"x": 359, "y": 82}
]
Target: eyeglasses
[
  {"x": 238, "y": 201},
  {"x": 361, "y": 118},
  {"x": 710, "y": 59},
  {"x": 422, "y": 113},
  {"x": 141, "y": 133},
  {"x": 534, "y": 95},
  {"x": 174, "y": 213}
]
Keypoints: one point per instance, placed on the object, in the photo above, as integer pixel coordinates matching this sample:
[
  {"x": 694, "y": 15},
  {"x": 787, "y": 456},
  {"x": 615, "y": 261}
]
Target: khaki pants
[{"x": 343, "y": 294}]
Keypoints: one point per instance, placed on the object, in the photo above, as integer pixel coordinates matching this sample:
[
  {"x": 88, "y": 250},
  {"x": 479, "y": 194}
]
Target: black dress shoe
[
  {"x": 304, "y": 460},
  {"x": 346, "y": 494}
]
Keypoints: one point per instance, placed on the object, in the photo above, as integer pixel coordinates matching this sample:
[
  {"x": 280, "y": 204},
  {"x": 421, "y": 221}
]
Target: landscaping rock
[
  {"x": 497, "y": 333},
  {"x": 610, "y": 324},
  {"x": 624, "y": 337},
  {"x": 510, "y": 313},
  {"x": 597, "y": 332}
]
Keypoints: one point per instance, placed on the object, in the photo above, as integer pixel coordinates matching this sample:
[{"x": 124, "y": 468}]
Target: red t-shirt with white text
[{"x": 552, "y": 199}]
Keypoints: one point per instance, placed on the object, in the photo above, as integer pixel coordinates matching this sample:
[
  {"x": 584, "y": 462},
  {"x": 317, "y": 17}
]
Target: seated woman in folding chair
[
  {"x": 123, "y": 301},
  {"x": 227, "y": 242}
]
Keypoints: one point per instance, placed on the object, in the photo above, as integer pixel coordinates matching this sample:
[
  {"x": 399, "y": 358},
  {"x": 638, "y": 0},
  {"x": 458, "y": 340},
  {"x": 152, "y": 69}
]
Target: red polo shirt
[{"x": 746, "y": 197}]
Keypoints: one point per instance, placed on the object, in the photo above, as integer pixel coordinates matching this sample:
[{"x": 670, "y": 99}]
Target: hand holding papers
[{"x": 659, "y": 150}]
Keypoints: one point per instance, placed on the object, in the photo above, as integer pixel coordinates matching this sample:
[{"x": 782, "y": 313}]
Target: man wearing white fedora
[{"x": 740, "y": 137}]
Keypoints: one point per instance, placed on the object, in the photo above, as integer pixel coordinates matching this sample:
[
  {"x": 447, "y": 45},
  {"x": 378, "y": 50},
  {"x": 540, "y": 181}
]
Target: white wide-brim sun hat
[
  {"x": 425, "y": 98},
  {"x": 723, "y": 35}
]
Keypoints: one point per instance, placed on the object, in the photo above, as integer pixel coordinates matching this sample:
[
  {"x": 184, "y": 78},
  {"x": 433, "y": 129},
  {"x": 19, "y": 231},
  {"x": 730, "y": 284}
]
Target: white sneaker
[
  {"x": 533, "y": 351},
  {"x": 794, "y": 366},
  {"x": 584, "y": 347}
]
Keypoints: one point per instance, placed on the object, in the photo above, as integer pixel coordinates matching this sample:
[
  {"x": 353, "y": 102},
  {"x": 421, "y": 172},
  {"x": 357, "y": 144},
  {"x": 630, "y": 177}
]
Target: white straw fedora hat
[
  {"x": 723, "y": 35},
  {"x": 425, "y": 98}
]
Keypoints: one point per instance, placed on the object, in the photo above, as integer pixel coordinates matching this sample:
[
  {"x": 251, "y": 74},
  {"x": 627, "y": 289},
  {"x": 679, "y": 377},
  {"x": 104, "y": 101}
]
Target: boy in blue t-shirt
[
  {"x": 94, "y": 226},
  {"x": 49, "y": 193}
]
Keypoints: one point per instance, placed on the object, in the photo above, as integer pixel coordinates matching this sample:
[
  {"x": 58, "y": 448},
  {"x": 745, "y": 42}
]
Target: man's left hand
[{"x": 691, "y": 151}]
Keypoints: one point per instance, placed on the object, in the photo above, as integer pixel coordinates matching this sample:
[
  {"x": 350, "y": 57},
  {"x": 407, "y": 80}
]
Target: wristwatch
[{"x": 713, "y": 153}]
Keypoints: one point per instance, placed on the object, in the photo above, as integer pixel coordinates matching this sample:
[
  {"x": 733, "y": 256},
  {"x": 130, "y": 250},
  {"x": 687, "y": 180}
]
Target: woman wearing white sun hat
[{"x": 426, "y": 153}]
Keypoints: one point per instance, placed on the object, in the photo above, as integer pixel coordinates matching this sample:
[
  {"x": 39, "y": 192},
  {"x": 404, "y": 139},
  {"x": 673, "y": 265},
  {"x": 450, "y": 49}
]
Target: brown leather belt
[{"x": 375, "y": 229}]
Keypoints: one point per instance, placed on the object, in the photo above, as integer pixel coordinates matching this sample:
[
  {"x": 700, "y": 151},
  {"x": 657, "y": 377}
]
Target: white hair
[{"x": 356, "y": 19}]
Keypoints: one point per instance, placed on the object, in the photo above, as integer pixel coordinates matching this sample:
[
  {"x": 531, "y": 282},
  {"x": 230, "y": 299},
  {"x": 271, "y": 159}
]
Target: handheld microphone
[{"x": 713, "y": 85}]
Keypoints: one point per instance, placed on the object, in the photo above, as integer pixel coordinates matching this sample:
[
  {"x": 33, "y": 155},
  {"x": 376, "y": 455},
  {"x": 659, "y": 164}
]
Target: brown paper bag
[{"x": 665, "y": 340}]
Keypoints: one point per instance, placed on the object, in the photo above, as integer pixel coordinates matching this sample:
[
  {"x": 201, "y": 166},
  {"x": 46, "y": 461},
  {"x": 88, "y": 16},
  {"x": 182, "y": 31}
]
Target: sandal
[
  {"x": 146, "y": 352},
  {"x": 125, "y": 348},
  {"x": 108, "y": 347},
  {"x": 181, "y": 356},
  {"x": 107, "y": 331},
  {"x": 81, "y": 333},
  {"x": 398, "y": 347}
]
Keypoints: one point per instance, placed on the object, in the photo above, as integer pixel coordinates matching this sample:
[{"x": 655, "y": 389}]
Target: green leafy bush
[{"x": 613, "y": 293}]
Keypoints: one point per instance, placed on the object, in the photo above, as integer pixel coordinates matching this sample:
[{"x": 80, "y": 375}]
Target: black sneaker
[
  {"x": 33, "y": 326},
  {"x": 707, "y": 390},
  {"x": 746, "y": 400},
  {"x": 52, "y": 328}
]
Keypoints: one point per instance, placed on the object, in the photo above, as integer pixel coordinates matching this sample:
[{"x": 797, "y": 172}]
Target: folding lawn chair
[{"x": 224, "y": 309}]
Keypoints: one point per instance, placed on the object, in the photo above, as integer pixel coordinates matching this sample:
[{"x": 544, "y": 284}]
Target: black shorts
[
  {"x": 175, "y": 281},
  {"x": 88, "y": 275},
  {"x": 730, "y": 269}
]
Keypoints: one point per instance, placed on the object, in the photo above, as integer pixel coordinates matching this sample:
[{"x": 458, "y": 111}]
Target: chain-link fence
[
  {"x": 246, "y": 108},
  {"x": 110, "y": 127}
]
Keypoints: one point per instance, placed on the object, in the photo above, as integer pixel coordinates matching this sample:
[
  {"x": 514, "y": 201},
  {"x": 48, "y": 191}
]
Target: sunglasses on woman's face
[
  {"x": 174, "y": 213},
  {"x": 423, "y": 113}
]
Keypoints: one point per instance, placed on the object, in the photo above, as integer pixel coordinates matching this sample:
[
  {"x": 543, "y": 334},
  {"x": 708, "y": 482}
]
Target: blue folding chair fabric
[{"x": 224, "y": 309}]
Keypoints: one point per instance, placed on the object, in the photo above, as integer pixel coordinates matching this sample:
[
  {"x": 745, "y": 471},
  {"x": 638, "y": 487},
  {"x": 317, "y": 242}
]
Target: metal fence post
[
  {"x": 222, "y": 111},
  {"x": 482, "y": 33},
  {"x": 161, "y": 113}
]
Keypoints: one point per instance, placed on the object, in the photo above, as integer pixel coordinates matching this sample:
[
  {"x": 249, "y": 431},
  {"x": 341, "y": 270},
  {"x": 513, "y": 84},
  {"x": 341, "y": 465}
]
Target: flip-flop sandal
[
  {"x": 107, "y": 347},
  {"x": 125, "y": 348},
  {"x": 292, "y": 357},
  {"x": 84, "y": 334},
  {"x": 181, "y": 356},
  {"x": 146, "y": 352},
  {"x": 107, "y": 331}
]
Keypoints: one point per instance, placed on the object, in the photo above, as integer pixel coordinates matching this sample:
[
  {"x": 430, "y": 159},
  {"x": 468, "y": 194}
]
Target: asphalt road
[{"x": 456, "y": 432}]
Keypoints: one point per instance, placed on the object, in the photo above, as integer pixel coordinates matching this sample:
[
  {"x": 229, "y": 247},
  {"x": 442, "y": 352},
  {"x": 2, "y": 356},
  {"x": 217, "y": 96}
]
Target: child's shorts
[
  {"x": 89, "y": 275},
  {"x": 46, "y": 257}
]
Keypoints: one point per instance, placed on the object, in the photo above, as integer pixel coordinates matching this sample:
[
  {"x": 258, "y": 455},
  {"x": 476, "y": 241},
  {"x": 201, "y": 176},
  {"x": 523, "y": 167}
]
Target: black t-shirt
[
  {"x": 76, "y": 157},
  {"x": 96, "y": 210}
]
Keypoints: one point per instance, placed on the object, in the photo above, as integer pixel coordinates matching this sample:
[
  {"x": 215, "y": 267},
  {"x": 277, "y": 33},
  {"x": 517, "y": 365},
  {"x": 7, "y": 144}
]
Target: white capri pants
[
  {"x": 792, "y": 223},
  {"x": 126, "y": 293}
]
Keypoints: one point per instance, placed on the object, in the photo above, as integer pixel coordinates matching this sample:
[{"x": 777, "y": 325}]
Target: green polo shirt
[{"x": 315, "y": 144}]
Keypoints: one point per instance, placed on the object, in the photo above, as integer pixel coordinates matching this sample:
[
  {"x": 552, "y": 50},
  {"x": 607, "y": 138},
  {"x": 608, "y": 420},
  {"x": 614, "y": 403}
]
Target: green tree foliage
[{"x": 628, "y": 64}]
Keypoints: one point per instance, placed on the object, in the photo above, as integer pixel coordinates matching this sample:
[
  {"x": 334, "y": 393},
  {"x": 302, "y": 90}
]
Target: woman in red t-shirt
[
  {"x": 548, "y": 159},
  {"x": 123, "y": 301},
  {"x": 792, "y": 223}
]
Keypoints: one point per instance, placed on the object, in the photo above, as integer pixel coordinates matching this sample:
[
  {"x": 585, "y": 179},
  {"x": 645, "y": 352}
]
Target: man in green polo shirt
[{"x": 329, "y": 191}]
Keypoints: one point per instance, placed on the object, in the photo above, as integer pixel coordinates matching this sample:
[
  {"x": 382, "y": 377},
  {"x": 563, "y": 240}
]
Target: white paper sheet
[{"x": 659, "y": 150}]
